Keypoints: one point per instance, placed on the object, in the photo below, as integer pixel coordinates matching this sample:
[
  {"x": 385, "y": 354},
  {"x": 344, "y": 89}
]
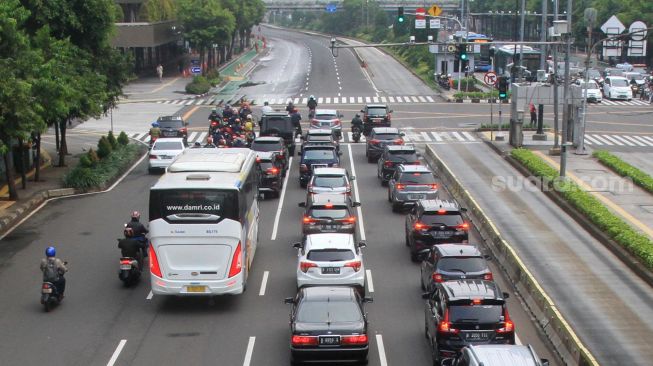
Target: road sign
[
  {"x": 434, "y": 23},
  {"x": 490, "y": 78},
  {"x": 420, "y": 18},
  {"x": 196, "y": 70},
  {"x": 612, "y": 27},
  {"x": 331, "y": 8},
  {"x": 638, "y": 26},
  {"x": 435, "y": 11}
]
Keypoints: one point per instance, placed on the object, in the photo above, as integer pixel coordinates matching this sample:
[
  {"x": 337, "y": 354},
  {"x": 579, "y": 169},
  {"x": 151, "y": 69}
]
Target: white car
[
  {"x": 330, "y": 259},
  {"x": 330, "y": 180},
  {"x": 617, "y": 87},
  {"x": 593, "y": 91},
  {"x": 164, "y": 151}
]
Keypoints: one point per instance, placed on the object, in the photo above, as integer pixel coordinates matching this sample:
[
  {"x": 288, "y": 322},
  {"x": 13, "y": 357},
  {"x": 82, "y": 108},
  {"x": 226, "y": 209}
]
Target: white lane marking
[
  {"x": 640, "y": 138},
  {"x": 116, "y": 353},
  {"x": 436, "y": 136},
  {"x": 631, "y": 138},
  {"x": 425, "y": 136},
  {"x": 370, "y": 283},
  {"x": 384, "y": 100},
  {"x": 623, "y": 139},
  {"x": 399, "y": 100},
  {"x": 327, "y": 100},
  {"x": 304, "y": 100},
  {"x": 150, "y": 295},
  {"x": 601, "y": 140},
  {"x": 379, "y": 343},
  {"x": 368, "y": 100},
  {"x": 517, "y": 340},
  {"x": 264, "y": 283},
  {"x": 283, "y": 195},
  {"x": 589, "y": 139},
  {"x": 469, "y": 136},
  {"x": 296, "y": 101},
  {"x": 415, "y": 100},
  {"x": 430, "y": 99},
  {"x": 250, "y": 350},
  {"x": 359, "y": 99},
  {"x": 201, "y": 136},
  {"x": 335, "y": 99},
  {"x": 392, "y": 99},
  {"x": 192, "y": 136},
  {"x": 421, "y": 99},
  {"x": 320, "y": 100},
  {"x": 608, "y": 137},
  {"x": 361, "y": 226},
  {"x": 375, "y": 99},
  {"x": 458, "y": 136}
]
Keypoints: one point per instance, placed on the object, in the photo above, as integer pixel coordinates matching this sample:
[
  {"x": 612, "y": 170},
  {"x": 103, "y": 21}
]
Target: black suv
[
  {"x": 173, "y": 126},
  {"x": 379, "y": 139},
  {"x": 446, "y": 262},
  {"x": 391, "y": 158},
  {"x": 376, "y": 115},
  {"x": 319, "y": 136},
  {"x": 467, "y": 312},
  {"x": 316, "y": 157},
  {"x": 272, "y": 144},
  {"x": 433, "y": 222},
  {"x": 279, "y": 124},
  {"x": 328, "y": 213},
  {"x": 271, "y": 174},
  {"x": 328, "y": 324}
]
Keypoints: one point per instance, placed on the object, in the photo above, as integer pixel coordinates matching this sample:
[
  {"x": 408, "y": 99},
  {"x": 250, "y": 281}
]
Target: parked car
[
  {"x": 328, "y": 324},
  {"x": 328, "y": 119},
  {"x": 330, "y": 259},
  {"x": 447, "y": 262},
  {"x": 463, "y": 313},
  {"x": 497, "y": 355},
  {"x": 328, "y": 213},
  {"x": 271, "y": 173},
  {"x": 378, "y": 139},
  {"x": 330, "y": 180},
  {"x": 409, "y": 184},
  {"x": 392, "y": 157},
  {"x": 316, "y": 157},
  {"x": 163, "y": 152}
]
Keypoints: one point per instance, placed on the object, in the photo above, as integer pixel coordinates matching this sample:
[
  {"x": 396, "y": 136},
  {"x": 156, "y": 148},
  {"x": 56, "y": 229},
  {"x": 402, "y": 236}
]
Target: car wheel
[
  {"x": 389, "y": 196},
  {"x": 370, "y": 159},
  {"x": 395, "y": 207},
  {"x": 426, "y": 328},
  {"x": 384, "y": 183},
  {"x": 413, "y": 257},
  {"x": 150, "y": 171},
  {"x": 421, "y": 279},
  {"x": 407, "y": 240}
]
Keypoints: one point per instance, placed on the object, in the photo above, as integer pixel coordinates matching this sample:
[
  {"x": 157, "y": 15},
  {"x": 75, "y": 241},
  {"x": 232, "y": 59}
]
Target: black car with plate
[
  {"x": 447, "y": 262},
  {"x": 378, "y": 139},
  {"x": 316, "y": 157},
  {"x": 272, "y": 144},
  {"x": 465, "y": 312},
  {"x": 376, "y": 115},
  {"x": 279, "y": 124},
  {"x": 271, "y": 173},
  {"x": 392, "y": 157},
  {"x": 328, "y": 213},
  {"x": 328, "y": 323},
  {"x": 173, "y": 126}
]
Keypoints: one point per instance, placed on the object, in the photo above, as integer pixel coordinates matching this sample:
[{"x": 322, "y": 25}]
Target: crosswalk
[
  {"x": 399, "y": 99},
  {"x": 618, "y": 140},
  {"x": 410, "y": 136},
  {"x": 624, "y": 102}
]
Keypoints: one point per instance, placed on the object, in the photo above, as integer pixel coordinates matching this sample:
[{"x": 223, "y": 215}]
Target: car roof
[
  {"x": 172, "y": 139},
  {"x": 437, "y": 204},
  {"x": 265, "y": 155},
  {"x": 170, "y": 118},
  {"x": 385, "y": 130},
  {"x": 414, "y": 169},
  {"x": 269, "y": 138},
  {"x": 468, "y": 289},
  {"x": 330, "y": 240},
  {"x": 329, "y": 293},
  {"x": 376, "y": 105},
  {"x": 400, "y": 148},
  {"x": 616, "y": 77},
  {"x": 276, "y": 114},
  {"x": 319, "y": 147},
  {"x": 504, "y": 355},
  {"x": 319, "y": 199},
  {"x": 319, "y": 131},
  {"x": 330, "y": 171},
  {"x": 326, "y": 111},
  {"x": 457, "y": 250}
]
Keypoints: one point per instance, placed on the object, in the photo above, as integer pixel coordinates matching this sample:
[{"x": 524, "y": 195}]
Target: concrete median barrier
[{"x": 563, "y": 338}]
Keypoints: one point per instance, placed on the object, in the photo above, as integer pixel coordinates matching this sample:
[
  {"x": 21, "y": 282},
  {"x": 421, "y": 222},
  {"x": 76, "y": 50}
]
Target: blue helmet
[
  {"x": 50, "y": 252},
  {"x": 155, "y": 124}
]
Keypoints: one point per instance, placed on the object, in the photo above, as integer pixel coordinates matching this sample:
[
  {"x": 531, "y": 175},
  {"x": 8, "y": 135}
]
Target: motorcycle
[
  {"x": 213, "y": 127},
  {"x": 130, "y": 270},
  {"x": 50, "y": 296},
  {"x": 356, "y": 134},
  {"x": 443, "y": 81}
]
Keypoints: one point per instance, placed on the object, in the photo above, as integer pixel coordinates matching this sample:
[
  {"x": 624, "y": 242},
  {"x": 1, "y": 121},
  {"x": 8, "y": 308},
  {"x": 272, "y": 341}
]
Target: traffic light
[
  {"x": 462, "y": 52},
  {"x": 503, "y": 87},
  {"x": 400, "y": 14}
]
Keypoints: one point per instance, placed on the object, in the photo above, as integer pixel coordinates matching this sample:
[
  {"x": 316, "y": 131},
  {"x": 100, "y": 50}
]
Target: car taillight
[
  {"x": 350, "y": 220},
  {"x": 420, "y": 226},
  {"x": 213, "y": 124},
  {"x": 399, "y": 142},
  {"x": 388, "y": 164},
  {"x": 464, "y": 226},
  {"x": 433, "y": 186},
  {"x": 375, "y": 142},
  {"x": 153, "y": 157},
  {"x": 236, "y": 262},
  {"x": 508, "y": 327},
  {"x": 308, "y": 220},
  {"x": 488, "y": 277},
  {"x": 303, "y": 168},
  {"x": 303, "y": 340},
  {"x": 354, "y": 339},
  {"x": 272, "y": 171},
  {"x": 125, "y": 261},
  {"x": 183, "y": 130},
  {"x": 437, "y": 277},
  {"x": 356, "y": 265},
  {"x": 445, "y": 326},
  {"x": 154, "y": 263},
  {"x": 304, "y": 266},
  {"x": 336, "y": 122},
  {"x": 400, "y": 187}
]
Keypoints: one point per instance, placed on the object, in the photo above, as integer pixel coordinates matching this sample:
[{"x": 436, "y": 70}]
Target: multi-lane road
[{"x": 102, "y": 323}]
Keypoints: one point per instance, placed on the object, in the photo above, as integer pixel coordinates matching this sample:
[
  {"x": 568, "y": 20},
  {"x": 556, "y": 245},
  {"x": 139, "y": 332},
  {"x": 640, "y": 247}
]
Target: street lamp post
[{"x": 590, "y": 18}]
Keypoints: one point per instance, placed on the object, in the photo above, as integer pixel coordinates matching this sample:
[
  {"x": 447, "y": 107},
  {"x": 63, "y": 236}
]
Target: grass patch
[{"x": 624, "y": 169}]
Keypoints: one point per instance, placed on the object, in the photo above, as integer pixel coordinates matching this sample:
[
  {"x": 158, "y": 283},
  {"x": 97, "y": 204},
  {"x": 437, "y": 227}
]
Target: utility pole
[
  {"x": 590, "y": 18},
  {"x": 543, "y": 30},
  {"x": 521, "y": 38},
  {"x": 565, "y": 95},
  {"x": 556, "y": 107}
]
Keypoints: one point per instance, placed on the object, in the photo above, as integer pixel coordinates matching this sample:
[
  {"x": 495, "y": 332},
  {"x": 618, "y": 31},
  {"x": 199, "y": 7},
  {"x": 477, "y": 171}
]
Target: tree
[{"x": 158, "y": 10}]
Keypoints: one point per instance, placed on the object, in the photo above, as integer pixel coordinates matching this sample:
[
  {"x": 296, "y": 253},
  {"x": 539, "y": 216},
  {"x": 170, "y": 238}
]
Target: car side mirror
[
  {"x": 288, "y": 300},
  {"x": 297, "y": 245},
  {"x": 423, "y": 254},
  {"x": 426, "y": 295},
  {"x": 302, "y": 204},
  {"x": 362, "y": 244},
  {"x": 447, "y": 362},
  {"x": 339, "y": 152},
  {"x": 355, "y": 204},
  {"x": 463, "y": 209},
  {"x": 352, "y": 178},
  {"x": 390, "y": 111},
  {"x": 506, "y": 295},
  {"x": 487, "y": 257},
  {"x": 544, "y": 362},
  {"x": 368, "y": 299}
]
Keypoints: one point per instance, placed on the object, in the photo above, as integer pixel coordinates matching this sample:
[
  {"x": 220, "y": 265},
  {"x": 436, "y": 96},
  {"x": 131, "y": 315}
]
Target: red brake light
[
  {"x": 356, "y": 265},
  {"x": 46, "y": 285},
  {"x": 351, "y": 219},
  {"x": 214, "y": 123},
  {"x": 303, "y": 340},
  {"x": 236, "y": 262},
  {"x": 437, "y": 277},
  {"x": 434, "y": 186},
  {"x": 308, "y": 220},
  {"x": 419, "y": 226},
  {"x": 153, "y": 157},
  {"x": 154, "y": 263},
  {"x": 125, "y": 261},
  {"x": 508, "y": 327},
  {"x": 442, "y": 211},
  {"x": 476, "y": 301},
  {"x": 399, "y": 142},
  {"x": 304, "y": 266},
  {"x": 389, "y": 164},
  {"x": 488, "y": 277},
  {"x": 329, "y": 205},
  {"x": 445, "y": 325},
  {"x": 303, "y": 168},
  {"x": 374, "y": 141},
  {"x": 463, "y": 226},
  {"x": 400, "y": 186},
  {"x": 273, "y": 171},
  {"x": 354, "y": 339}
]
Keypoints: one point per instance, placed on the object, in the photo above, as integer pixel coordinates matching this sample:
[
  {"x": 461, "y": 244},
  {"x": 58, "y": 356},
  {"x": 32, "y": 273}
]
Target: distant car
[
  {"x": 409, "y": 184},
  {"x": 432, "y": 222},
  {"x": 320, "y": 136},
  {"x": 328, "y": 324},
  {"x": 163, "y": 152},
  {"x": 617, "y": 87},
  {"x": 378, "y": 139},
  {"x": 329, "y": 119},
  {"x": 330, "y": 259},
  {"x": 330, "y": 180},
  {"x": 271, "y": 173},
  {"x": 316, "y": 157},
  {"x": 173, "y": 126},
  {"x": 497, "y": 355},
  {"x": 392, "y": 157},
  {"x": 466, "y": 312},
  {"x": 272, "y": 144},
  {"x": 482, "y": 66},
  {"x": 376, "y": 115},
  {"x": 328, "y": 213},
  {"x": 594, "y": 93},
  {"x": 448, "y": 262}
]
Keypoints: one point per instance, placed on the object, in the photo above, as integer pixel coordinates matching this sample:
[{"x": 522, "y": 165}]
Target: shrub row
[
  {"x": 624, "y": 169},
  {"x": 199, "y": 85},
  {"x": 617, "y": 229}
]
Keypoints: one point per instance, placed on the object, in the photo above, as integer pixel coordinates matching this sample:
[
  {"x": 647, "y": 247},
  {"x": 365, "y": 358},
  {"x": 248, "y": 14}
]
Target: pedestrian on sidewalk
[
  {"x": 159, "y": 72},
  {"x": 533, "y": 114}
]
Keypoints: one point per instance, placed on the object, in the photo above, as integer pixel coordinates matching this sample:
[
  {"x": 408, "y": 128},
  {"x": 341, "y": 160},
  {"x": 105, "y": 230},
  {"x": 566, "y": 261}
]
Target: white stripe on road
[
  {"x": 370, "y": 283},
  {"x": 250, "y": 350},
  {"x": 295, "y": 101},
  {"x": 623, "y": 139},
  {"x": 641, "y": 138},
  {"x": 335, "y": 100},
  {"x": 469, "y": 136},
  {"x": 368, "y": 100},
  {"x": 379, "y": 344},
  {"x": 607, "y": 137},
  {"x": 392, "y": 99},
  {"x": 351, "y": 100},
  {"x": 361, "y": 226},
  {"x": 457, "y": 135},
  {"x": 430, "y": 99},
  {"x": 201, "y": 137},
  {"x": 399, "y": 100},
  {"x": 415, "y": 100},
  {"x": 281, "y": 197},
  {"x": 437, "y": 136},
  {"x": 264, "y": 282},
  {"x": 327, "y": 100},
  {"x": 150, "y": 295},
  {"x": 140, "y": 136},
  {"x": 116, "y": 353},
  {"x": 517, "y": 340},
  {"x": 384, "y": 100},
  {"x": 647, "y": 138},
  {"x": 425, "y": 136},
  {"x": 591, "y": 140},
  {"x": 375, "y": 99},
  {"x": 359, "y": 99},
  {"x": 630, "y": 138},
  {"x": 421, "y": 99},
  {"x": 319, "y": 100},
  {"x": 602, "y": 140},
  {"x": 192, "y": 136}
]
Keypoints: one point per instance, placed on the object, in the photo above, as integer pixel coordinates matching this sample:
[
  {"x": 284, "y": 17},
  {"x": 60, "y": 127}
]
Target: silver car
[
  {"x": 330, "y": 180},
  {"x": 163, "y": 152},
  {"x": 330, "y": 259},
  {"x": 409, "y": 184},
  {"x": 328, "y": 118}
]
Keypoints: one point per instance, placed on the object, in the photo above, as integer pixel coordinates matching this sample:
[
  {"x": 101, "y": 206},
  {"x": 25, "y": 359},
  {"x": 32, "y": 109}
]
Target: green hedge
[
  {"x": 199, "y": 85},
  {"x": 624, "y": 169},
  {"x": 617, "y": 229}
]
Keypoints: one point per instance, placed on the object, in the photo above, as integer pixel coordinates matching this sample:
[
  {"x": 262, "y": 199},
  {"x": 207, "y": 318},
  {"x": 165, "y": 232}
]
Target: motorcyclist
[
  {"x": 296, "y": 119},
  {"x": 266, "y": 108},
  {"x": 249, "y": 122},
  {"x": 312, "y": 105},
  {"x": 131, "y": 247},
  {"x": 155, "y": 131},
  {"x": 290, "y": 107},
  {"x": 53, "y": 270},
  {"x": 357, "y": 122},
  {"x": 250, "y": 135},
  {"x": 214, "y": 116},
  {"x": 139, "y": 230},
  {"x": 245, "y": 110},
  {"x": 237, "y": 127},
  {"x": 209, "y": 142},
  {"x": 227, "y": 112}
]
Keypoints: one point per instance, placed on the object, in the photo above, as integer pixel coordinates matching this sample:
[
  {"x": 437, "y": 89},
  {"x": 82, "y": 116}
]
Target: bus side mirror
[
  {"x": 356, "y": 204},
  {"x": 352, "y": 178},
  {"x": 297, "y": 245},
  {"x": 288, "y": 300},
  {"x": 362, "y": 244},
  {"x": 302, "y": 204},
  {"x": 506, "y": 295}
]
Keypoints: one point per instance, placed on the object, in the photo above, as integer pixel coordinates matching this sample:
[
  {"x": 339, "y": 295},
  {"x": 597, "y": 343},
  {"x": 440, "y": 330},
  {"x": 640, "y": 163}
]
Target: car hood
[{"x": 335, "y": 327}]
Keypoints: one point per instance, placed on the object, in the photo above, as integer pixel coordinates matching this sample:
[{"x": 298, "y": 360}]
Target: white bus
[{"x": 204, "y": 223}]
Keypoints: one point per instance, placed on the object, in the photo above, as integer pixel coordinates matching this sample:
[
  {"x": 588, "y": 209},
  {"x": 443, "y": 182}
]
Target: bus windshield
[{"x": 193, "y": 204}]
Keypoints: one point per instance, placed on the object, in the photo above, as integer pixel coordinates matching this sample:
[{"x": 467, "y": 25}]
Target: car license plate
[
  {"x": 326, "y": 124},
  {"x": 477, "y": 336},
  {"x": 376, "y": 119},
  {"x": 125, "y": 266},
  {"x": 329, "y": 340},
  {"x": 442, "y": 234},
  {"x": 166, "y": 157},
  {"x": 47, "y": 291},
  {"x": 195, "y": 288},
  {"x": 416, "y": 196},
  {"x": 330, "y": 270},
  {"x": 329, "y": 227}
]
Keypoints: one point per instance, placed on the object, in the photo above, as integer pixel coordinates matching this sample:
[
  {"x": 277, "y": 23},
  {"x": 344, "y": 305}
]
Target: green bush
[
  {"x": 112, "y": 140},
  {"x": 213, "y": 77},
  {"x": 617, "y": 229},
  {"x": 93, "y": 157},
  {"x": 83, "y": 177},
  {"x": 624, "y": 169},
  {"x": 123, "y": 139},
  {"x": 85, "y": 161},
  {"x": 103, "y": 147},
  {"x": 199, "y": 85}
]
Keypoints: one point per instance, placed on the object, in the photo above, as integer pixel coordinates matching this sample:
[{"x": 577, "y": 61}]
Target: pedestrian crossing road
[{"x": 618, "y": 140}]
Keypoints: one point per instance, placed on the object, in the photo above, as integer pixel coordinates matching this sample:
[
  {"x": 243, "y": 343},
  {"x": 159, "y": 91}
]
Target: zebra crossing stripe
[
  {"x": 304, "y": 100},
  {"x": 590, "y": 139},
  {"x": 351, "y": 100},
  {"x": 359, "y": 100},
  {"x": 192, "y": 136},
  {"x": 613, "y": 140},
  {"x": 319, "y": 100},
  {"x": 296, "y": 101},
  {"x": 622, "y": 139},
  {"x": 457, "y": 135},
  {"x": 327, "y": 100},
  {"x": 335, "y": 100},
  {"x": 406, "y": 137},
  {"x": 146, "y": 139},
  {"x": 647, "y": 138},
  {"x": 140, "y": 135},
  {"x": 368, "y": 100},
  {"x": 469, "y": 136},
  {"x": 425, "y": 136},
  {"x": 189, "y": 103},
  {"x": 384, "y": 100},
  {"x": 429, "y": 99},
  {"x": 392, "y": 99},
  {"x": 375, "y": 99},
  {"x": 602, "y": 140},
  {"x": 421, "y": 99},
  {"x": 633, "y": 140},
  {"x": 399, "y": 100},
  {"x": 437, "y": 136},
  {"x": 415, "y": 99},
  {"x": 202, "y": 136}
]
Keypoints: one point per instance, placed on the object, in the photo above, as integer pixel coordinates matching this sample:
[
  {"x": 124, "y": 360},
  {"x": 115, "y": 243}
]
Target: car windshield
[
  {"x": 386, "y": 136},
  {"x": 325, "y": 116},
  {"x": 593, "y": 73},
  {"x": 266, "y": 145},
  {"x": 265, "y": 164},
  {"x": 403, "y": 156},
  {"x": 328, "y": 213},
  {"x": 170, "y": 124},
  {"x": 319, "y": 155},
  {"x": 376, "y": 112},
  {"x": 590, "y": 84},
  {"x": 462, "y": 264},
  {"x": 615, "y": 72},
  {"x": 452, "y": 219},
  {"x": 328, "y": 312},
  {"x": 478, "y": 314},
  {"x": 635, "y": 76},
  {"x": 330, "y": 181},
  {"x": 330, "y": 255},
  {"x": 417, "y": 178},
  {"x": 619, "y": 82},
  {"x": 168, "y": 145},
  {"x": 319, "y": 138}
]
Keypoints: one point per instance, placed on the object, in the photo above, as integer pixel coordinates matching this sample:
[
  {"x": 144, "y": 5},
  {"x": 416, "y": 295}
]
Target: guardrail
[{"x": 563, "y": 338}]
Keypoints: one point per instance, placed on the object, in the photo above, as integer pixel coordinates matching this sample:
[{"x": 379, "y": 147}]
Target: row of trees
[{"x": 57, "y": 65}]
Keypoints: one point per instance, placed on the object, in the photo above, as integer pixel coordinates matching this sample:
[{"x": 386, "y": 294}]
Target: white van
[{"x": 617, "y": 87}]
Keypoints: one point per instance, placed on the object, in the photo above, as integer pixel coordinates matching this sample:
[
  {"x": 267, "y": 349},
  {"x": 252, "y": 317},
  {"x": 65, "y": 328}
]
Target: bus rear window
[{"x": 193, "y": 205}]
